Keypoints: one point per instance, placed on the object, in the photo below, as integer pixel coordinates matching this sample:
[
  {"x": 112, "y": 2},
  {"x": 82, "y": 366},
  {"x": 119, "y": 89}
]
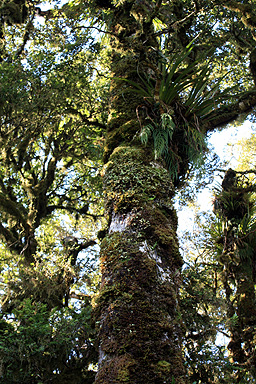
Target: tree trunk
[
  {"x": 237, "y": 259},
  {"x": 138, "y": 309}
]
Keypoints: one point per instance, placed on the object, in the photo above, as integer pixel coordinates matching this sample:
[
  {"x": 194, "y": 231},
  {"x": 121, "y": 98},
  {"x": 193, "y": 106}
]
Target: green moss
[
  {"x": 127, "y": 153},
  {"x": 118, "y": 371},
  {"x": 136, "y": 303},
  {"x": 119, "y": 134},
  {"x": 115, "y": 249},
  {"x": 164, "y": 365},
  {"x": 132, "y": 315},
  {"x": 131, "y": 178}
]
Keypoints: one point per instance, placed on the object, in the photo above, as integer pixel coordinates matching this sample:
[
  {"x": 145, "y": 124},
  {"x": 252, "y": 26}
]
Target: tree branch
[
  {"x": 246, "y": 10},
  {"x": 226, "y": 114},
  {"x": 154, "y": 12},
  {"x": 8, "y": 236},
  {"x": 82, "y": 211},
  {"x": 85, "y": 118},
  {"x": 12, "y": 209},
  {"x": 25, "y": 40}
]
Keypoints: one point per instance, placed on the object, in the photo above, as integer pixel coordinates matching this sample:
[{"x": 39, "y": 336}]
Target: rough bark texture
[
  {"x": 238, "y": 260},
  {"x": 138, "y": 311},
  {"x": 139, "y": 324}
]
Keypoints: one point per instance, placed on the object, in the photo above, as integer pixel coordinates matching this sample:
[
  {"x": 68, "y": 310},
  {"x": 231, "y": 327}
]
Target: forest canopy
[{"x": 105, "y": 112}]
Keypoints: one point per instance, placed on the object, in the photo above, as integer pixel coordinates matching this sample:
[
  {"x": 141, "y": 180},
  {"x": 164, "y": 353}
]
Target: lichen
[{"x": 163, "y": 367}]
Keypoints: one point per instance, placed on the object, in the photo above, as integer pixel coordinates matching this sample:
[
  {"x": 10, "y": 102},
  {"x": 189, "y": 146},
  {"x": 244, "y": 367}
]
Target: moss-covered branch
[{"x": 224, "y": 115}]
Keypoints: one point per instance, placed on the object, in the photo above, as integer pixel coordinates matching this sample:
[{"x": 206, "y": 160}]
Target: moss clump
[
  {"x": 118, "y": 370},
  {"x": 130, "y": 179},
  {"x": 119, "y": 135},
  {"x": 118, "y": 255},
  {"x": 159, "y": 228},
  {"x": 164, "y": 365}
]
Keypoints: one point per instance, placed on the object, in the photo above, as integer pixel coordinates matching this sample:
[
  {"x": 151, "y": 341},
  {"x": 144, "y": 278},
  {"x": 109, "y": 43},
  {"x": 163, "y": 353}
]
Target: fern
[
  {"x": 182, "y": 94},
  {"x": 146, "y": 133},
  {"x": 167, "y": 123},
  {"x": 161, "y": 134},
  {"x": 195, "y": 143},
  {"x": 172, "y": 160}
]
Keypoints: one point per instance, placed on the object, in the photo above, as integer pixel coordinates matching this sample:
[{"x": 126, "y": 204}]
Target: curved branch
[
  {"x": 26, "y": 37},
  {"x": 11, "y": 240},
  {"x": 226, "y": 114},
  {"x": 83, "y": 211}
]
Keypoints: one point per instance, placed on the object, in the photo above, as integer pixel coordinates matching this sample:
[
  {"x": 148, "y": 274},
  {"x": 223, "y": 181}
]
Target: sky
[{"x": 221, "y": 140}]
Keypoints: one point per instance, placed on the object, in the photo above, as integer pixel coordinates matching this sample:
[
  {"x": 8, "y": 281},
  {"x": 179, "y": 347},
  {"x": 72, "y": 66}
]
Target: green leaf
[{"x": 146, "y": 133}]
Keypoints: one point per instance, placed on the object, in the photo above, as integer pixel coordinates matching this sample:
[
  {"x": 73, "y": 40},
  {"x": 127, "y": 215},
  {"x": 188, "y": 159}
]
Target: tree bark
[
  {"x": 137, "y": 310},
  {"x": 238, "y": 278}
]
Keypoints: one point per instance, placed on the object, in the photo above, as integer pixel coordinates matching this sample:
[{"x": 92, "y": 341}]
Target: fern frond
[
  {"x": 167, "y": 122},
  {"x": 160, "y": 137},
  {"x": 146, "y": 133}
]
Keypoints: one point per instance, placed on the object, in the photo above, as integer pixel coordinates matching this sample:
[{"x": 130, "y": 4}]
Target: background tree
[
  {"x": 50, "y": 149},
  {"x": 215, "y": 280},
  {"x": 235, "y": 234}
]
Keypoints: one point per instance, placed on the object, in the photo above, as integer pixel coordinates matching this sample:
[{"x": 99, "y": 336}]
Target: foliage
[
  {"x": 175, "y": 103},
  {"x": 217, "y": 306},
  {"x": 34, "y": 343},
  {"x": 52, "y": 114}
]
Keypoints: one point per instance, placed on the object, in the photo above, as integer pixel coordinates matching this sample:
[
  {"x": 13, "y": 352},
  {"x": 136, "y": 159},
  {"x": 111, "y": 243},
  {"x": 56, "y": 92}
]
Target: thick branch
[
  {"x": 11, "y": 208},
  {"x": 82, "y": 211},
  {"x": 24, "y": 42},
  {"x": 8, "y": 236},
  {"x": 228, "y": 113}
]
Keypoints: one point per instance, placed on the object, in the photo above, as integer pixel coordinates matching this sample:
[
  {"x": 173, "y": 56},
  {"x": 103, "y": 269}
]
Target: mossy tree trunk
[
  {"x": 242, "y": 323},
  {"x": 138, "y": 315},
  {"x": 237, "y": 256},
  {"x": 241, "y": 316}
]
